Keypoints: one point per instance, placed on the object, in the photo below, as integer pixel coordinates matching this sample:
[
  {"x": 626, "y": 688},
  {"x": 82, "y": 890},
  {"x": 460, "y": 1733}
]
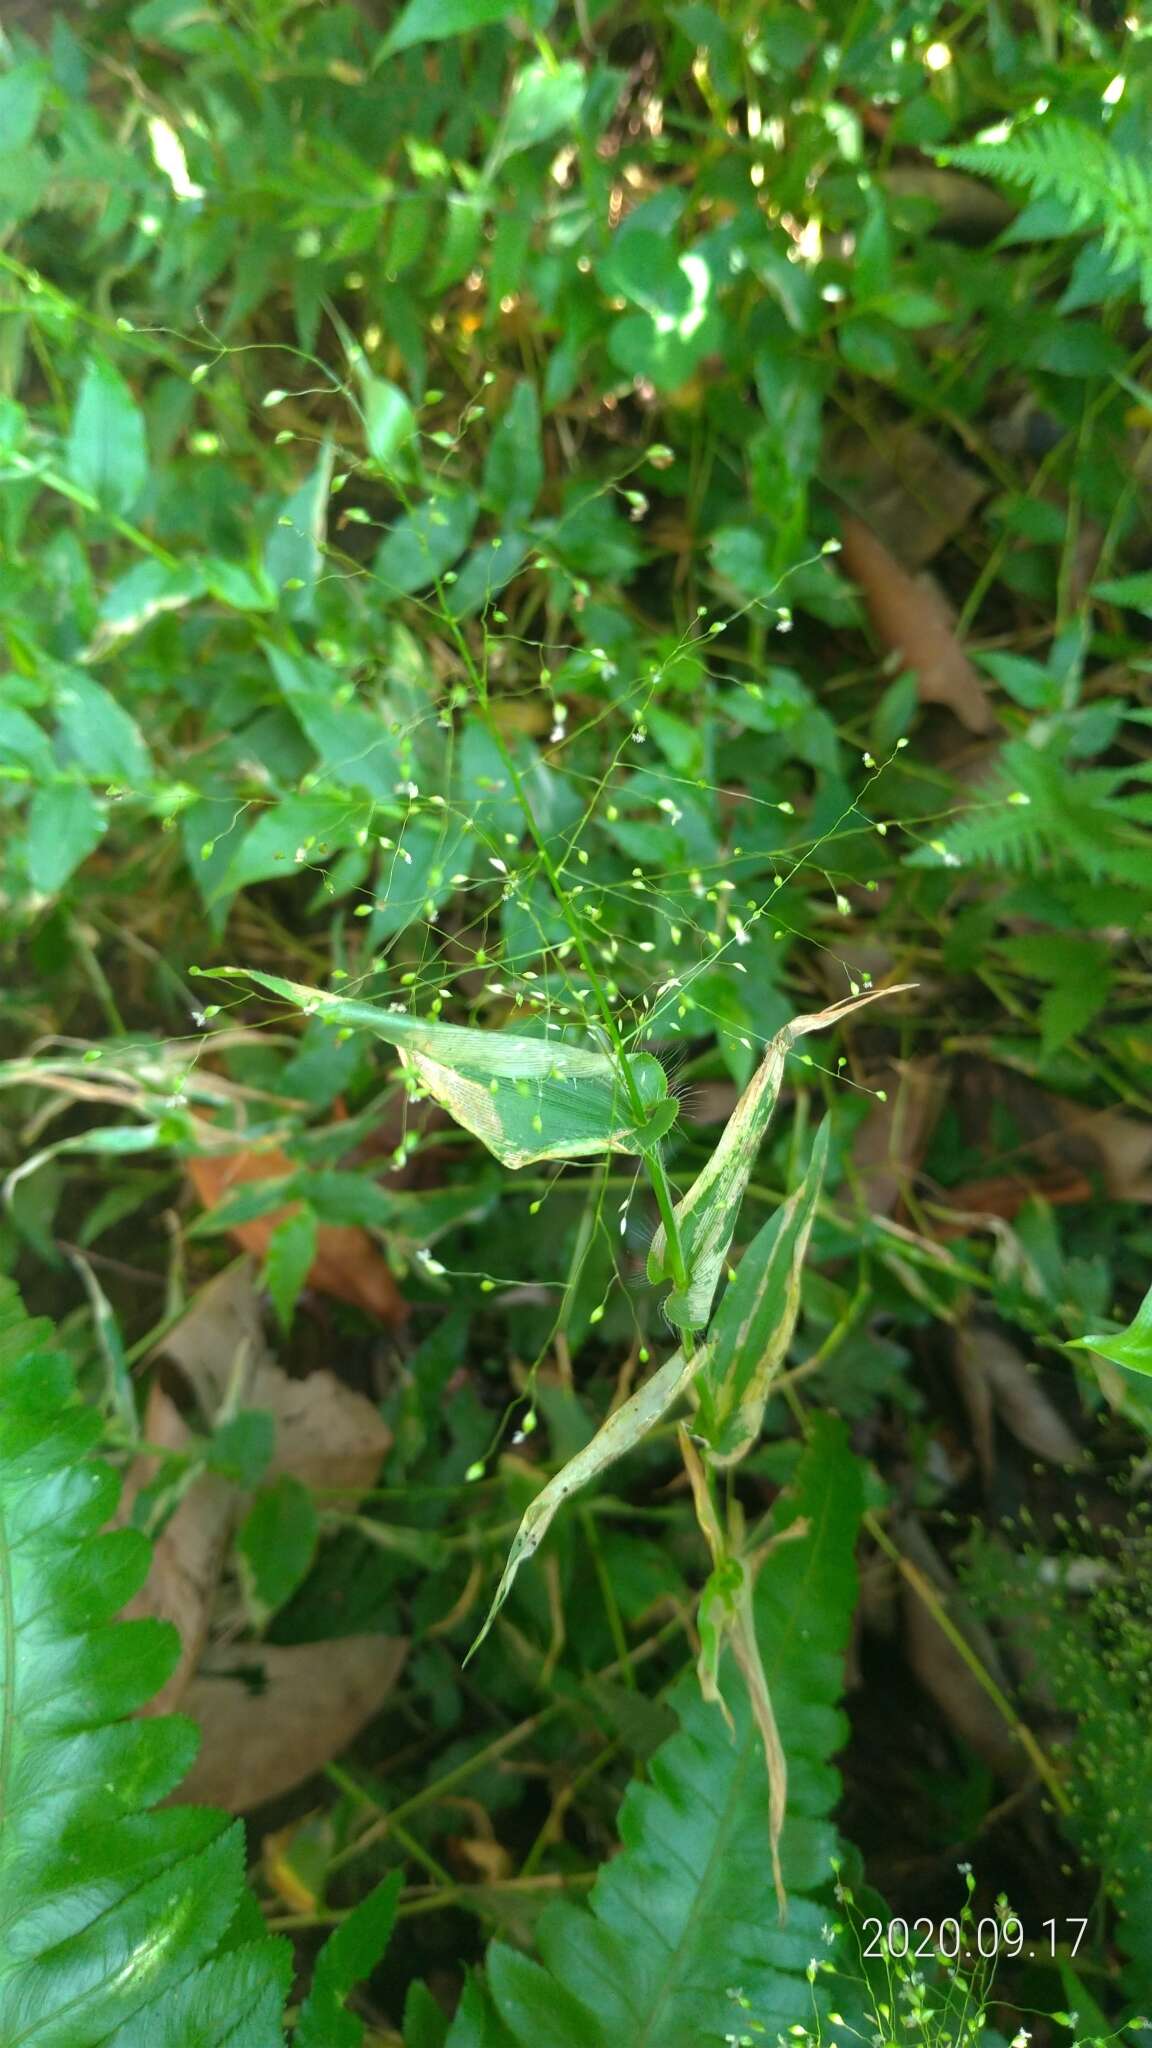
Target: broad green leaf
[
  {"x": 347, "y": 1958},
  {"x": 21, "y": 98},
  {"x": 683, "y": 1916},
  {"x": 25, "y": 744},
  {"x": 276, "y": 1543},
  {"x": 1131, "y": 1347},
  {"x": 1134, "y": 592},
  {"x": 625, "y": 1428},
  {"x": 141, "y": 595},
  {"x": 545, "y": 99},
  {"x": 706, "y": 1217},
  {"x": 101, "y": 737},
  {"x": 483, "y": 789},
  {"x": 526, "y": 1099},
  {"x": 303, "y": 832},
  {"x": 241, "y": 588},
  {"x": 753, "y": 1326},
  {"x": 353, "y": 744},
  {"x": 65, "y": 823},
  {"x": 421, "y": 546},
  {"x": 107, "y": 448},
  {"x": 514, "y": 470},
  {"x": 389, "y": 421},
  {"x": 293, "y": 552},
  {"x": 488, "y": 568},
  {"x": 288, "y": 1262},
  {"x": 434, "y": 21},
  {"x": 241, "y": 1446},
  {"x": 416, "y": 873},
  {"x": 645, "y": 267}
]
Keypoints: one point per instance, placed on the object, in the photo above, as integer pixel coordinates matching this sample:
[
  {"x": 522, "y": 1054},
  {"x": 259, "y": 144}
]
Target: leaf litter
[{"x": 270, "y": 1715}]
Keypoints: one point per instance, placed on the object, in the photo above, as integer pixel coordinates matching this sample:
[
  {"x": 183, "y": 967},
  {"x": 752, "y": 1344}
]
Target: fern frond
[
  {"x": 685, "y": 1916},
  {"x": 1037, "y": 813},
  {"x": 119, "y": 1926},
  {"x": 109, "y": 1913},
  {"x": 1100, "y": 184}
]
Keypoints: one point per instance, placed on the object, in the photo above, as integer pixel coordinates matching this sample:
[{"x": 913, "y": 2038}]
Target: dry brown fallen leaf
[
  {"x": 327, "y": 1434},
  {"x": 941, "y": 1668},
  {"x": 313, "y": 1700},
  {"x": 188, "y": 1554},
  {"x": 909, "y": 490},
  {"x": 1003, "y": 1196},
  {"x": 1122, "y": 1145},
  {"x": 347, "y": 1263},
  {"x": 992, "y": 1370},
  {"x": 911, "y": 617},
  {"x": 964, "y": 204}
]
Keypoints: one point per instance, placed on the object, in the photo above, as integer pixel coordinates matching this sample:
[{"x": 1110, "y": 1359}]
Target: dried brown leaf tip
[{"x": 912, "y": 618}]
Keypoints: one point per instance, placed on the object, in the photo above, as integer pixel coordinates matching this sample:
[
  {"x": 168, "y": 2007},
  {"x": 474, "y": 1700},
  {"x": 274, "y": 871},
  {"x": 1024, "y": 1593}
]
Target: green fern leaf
[
  {"x": 1099, "y": 184},
  {"x": 120, "y": 1927},
  {"x": 109, "y": 1913},
  {"x": 685, "y": 1916},
  {"x": 1037, "y": 814}
]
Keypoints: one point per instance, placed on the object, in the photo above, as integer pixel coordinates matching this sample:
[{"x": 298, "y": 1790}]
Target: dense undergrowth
[{"x": 586, "y": 544}]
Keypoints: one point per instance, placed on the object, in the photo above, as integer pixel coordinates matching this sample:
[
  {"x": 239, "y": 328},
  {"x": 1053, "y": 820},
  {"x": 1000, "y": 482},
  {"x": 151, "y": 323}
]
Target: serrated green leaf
[
  {"x": 109, "y": 1912},
  {"x": 475, "y": 2024},
  {"x": 346, "y": 1959},
  {"x": 425, "y": 2021},
  {"x": 526, "y": 1099},
  {"x": 233, "y": 2001},
  {"x": 288, "y": 1261},
  {"x": 1070, "y": 1006}
]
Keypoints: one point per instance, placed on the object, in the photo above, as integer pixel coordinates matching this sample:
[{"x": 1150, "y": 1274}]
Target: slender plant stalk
[{"x": 926, "y": 1591}]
